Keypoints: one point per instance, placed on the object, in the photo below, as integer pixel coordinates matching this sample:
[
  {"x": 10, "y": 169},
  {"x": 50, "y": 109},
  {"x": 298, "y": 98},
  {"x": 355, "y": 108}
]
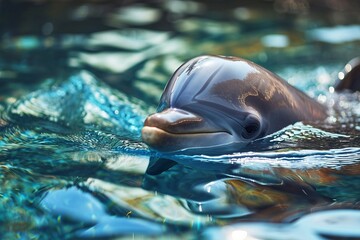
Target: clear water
[{"x": 78, "y": 79}]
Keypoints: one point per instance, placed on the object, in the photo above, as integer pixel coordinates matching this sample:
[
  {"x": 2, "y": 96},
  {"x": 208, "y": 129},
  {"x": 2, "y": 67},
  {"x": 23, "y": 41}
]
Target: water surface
[{"x": 78, "y": 80}]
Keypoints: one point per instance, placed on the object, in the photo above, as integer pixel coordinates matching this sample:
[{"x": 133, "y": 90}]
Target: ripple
[
  {"x": 80, "y": 206},
  {"x": 81, "y": 100},
  {"x": 332, "y": 224}
]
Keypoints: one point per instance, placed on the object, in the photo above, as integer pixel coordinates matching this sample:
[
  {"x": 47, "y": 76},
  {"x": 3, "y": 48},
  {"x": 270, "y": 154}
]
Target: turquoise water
[{"x": 78, "y": 80}]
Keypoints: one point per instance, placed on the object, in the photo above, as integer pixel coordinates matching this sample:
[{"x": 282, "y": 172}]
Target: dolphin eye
[{"x": 251, "y": 127}]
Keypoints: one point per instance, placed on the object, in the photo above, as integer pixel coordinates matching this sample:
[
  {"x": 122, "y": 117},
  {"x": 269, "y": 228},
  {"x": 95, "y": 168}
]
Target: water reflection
[
  {"x": 79, "y": 206},
  {"x": 113, "y": 174},
  {"x": 330, "y": 224},
  {"x": 72, "y": 164},
  {"x": 339, "y": 34}
]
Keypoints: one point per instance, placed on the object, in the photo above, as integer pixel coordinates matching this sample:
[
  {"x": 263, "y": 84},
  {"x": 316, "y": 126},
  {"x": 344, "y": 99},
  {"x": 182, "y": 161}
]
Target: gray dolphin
[{"x": 217, "y": 105}]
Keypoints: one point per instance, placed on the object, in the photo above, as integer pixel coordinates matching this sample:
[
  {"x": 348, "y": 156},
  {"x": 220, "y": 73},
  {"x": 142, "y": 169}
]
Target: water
[{"x": 78, "y": 80}]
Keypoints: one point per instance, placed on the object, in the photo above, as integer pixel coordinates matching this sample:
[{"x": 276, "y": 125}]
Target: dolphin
[{"x": 219, "y": 104}]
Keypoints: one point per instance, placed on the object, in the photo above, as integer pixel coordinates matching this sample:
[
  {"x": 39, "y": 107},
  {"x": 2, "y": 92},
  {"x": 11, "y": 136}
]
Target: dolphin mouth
[{"x": 164, "y": 141}]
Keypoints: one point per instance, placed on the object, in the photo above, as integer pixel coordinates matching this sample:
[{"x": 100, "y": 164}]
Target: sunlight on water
[
  {"x": 73, "y": 101},
  {"x": 95, "y": 105},
  {"x": 330, "y": 224}
]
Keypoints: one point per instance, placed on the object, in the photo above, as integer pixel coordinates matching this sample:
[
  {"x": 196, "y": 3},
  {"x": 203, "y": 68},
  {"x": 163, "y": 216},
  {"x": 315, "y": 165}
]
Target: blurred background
[{"x": 136, "y": 45}]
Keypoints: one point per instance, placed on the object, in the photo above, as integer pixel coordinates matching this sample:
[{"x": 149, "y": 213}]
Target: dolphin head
[{"x": 202, "y": 109}]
